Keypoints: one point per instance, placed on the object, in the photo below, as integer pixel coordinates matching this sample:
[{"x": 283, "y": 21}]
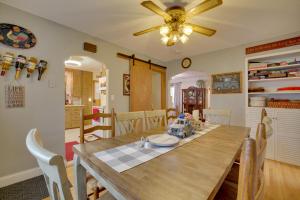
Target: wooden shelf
[
  {"x": 275, "y": 79},
  {"x": 277, "y": 67},
  {"x": 276, "y": 92}
]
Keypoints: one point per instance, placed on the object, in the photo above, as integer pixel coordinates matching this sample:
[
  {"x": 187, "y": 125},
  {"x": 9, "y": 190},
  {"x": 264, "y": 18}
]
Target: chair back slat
[
  {"x": 52, "y": 166},
  {"x": 261, "y": 144},
  {"x": 84, "y": 131},
  {"x": 248, "y": 171},
  {"x": 155, "y": 119},
  {"x": 96, "y": 128},
  {"x": 130, "y": 122},
  {"x": 172, "y": 114},
  {"x": 97, "y": 115},
  {"x": 217, "y": 116}
]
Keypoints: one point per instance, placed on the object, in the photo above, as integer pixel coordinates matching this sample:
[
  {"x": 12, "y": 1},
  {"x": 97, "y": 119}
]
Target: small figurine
[
  {"x": 31, "y": 66},
  {"x": 20, "y": 64},
  {"x": 42, "y": 66},
  {"x": 181, "y": 128},
  {"x": 7, "y": 61}
]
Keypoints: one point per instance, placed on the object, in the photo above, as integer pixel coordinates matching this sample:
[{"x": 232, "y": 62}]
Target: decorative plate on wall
[{"x": 16, "y": 36}]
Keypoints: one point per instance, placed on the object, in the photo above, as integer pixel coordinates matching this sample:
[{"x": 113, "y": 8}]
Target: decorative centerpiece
[{"x": 182, "y": 126}]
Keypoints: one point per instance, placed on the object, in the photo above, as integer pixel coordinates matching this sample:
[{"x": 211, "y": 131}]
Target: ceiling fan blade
[
  {"x": 202, "y": 30},
  {"x": 204, "y": 6},
  {"x": 154, "y": 8},
  {"x": 147, "y": 30}
]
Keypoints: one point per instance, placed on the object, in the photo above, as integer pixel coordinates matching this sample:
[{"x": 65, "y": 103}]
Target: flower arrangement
[{"x": 186, "y": 116}]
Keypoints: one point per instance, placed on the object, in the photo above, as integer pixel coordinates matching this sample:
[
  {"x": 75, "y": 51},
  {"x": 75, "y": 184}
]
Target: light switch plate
[
  {"x": 112, "y": 97},
  {"x": 51, "y": 84}
]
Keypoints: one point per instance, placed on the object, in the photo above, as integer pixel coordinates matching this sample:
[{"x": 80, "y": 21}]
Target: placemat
[{"x": 127, "y": 156}]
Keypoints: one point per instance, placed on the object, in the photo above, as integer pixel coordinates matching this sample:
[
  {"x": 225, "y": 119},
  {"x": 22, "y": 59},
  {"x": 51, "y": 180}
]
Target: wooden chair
[
  {"x": 155, "y": 119},
  {"x": 217, "y": 116},
  {"x": 251, "y": 177},
  {"x": 172, "y": 114},
  {"x": 89, "y": 131},
  {"x": 130, "y": 122},
  {"x": 53, "y": 168}
]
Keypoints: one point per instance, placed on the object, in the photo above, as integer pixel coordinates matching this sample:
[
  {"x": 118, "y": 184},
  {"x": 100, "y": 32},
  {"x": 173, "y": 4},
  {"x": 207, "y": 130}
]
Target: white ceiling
[
  {"x": 236, "y": 21},
  {"x": 87, "y": 64}
]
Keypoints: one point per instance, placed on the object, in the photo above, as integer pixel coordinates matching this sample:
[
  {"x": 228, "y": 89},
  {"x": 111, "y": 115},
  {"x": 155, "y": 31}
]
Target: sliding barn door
[{"x": 140, "y": 86}]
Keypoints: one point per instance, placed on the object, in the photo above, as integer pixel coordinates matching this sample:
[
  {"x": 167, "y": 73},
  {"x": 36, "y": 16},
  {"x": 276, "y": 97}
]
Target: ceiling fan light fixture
[
  {"x": 184, "y": 38},
  {"x": 165, "y": 39},
  {"x": 164, "y": 30},
  {"x": 187, "y": 30}
]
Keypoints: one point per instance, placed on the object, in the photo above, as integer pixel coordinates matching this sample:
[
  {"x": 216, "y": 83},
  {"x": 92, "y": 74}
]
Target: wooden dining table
[{"x": 195, "y": 170}]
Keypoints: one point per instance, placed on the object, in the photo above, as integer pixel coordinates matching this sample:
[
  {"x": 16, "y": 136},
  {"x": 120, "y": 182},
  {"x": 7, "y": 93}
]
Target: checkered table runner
[{"x": 125, "y": 157}]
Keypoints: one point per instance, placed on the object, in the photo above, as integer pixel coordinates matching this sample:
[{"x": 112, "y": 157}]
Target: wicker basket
[{"x": 278, "y": 104}]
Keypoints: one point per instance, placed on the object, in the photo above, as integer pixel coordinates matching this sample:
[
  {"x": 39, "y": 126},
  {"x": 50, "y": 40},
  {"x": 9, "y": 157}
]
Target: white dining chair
[
  {"x": 53, "y": 168},
  {"x": 130, "y": 122},
  {"x": 155, "y": 119},
  {"x": 217, "y": 116}
]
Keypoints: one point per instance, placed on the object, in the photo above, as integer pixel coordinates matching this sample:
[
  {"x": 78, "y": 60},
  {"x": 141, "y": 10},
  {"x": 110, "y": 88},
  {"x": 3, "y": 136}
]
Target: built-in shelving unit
[
  {"x": 277, "y": 67},
  {"x": 275, "y": 92},
  {"x": 262, "y": 82},
  {"x": 274, "y": 79},
  {"x": 283, "y": 144}
]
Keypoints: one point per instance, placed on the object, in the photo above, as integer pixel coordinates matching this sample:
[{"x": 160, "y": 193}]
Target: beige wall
[
  {"x": 227, "y": 60},
  {"x": 44, "y": 107}
]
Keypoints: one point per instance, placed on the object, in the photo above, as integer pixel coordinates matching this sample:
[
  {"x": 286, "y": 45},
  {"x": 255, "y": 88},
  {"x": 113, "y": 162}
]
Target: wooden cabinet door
[
  {"x": 140, "y": 86},
  {"x": 253, "y": 115},
  {"x": 87, "y": 93},
  {"x": 288, "y": 136},
  {"x": 68, "y": 120},
  {"x": 77, "y": 83}
]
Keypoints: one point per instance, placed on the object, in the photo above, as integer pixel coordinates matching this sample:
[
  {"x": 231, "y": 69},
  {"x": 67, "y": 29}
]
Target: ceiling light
[
  {"x": 174, "y": 37},
  {"x": 165, "y": 39},
  {"x": 187, "y": 30},
  {"x": 73, "y": 63},
  {"x": 184, "y": 38},
  {"x": 164, "y": 30}
]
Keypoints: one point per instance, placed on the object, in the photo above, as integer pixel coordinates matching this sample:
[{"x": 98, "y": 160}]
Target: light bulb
[
  {"x": 174, "y": 38},
  {"x": 184, "y": 38},
  {"x": 164, "y": 30},
  {"x": 165, "y": 39},
  {"x": 187, "y": 30}
]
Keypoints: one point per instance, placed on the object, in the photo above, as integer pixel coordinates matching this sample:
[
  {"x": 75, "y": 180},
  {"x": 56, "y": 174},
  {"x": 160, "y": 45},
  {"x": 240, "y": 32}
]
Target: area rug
[
  {"x": 31, "y": 189},
  {"x": 69, "y": 150}
]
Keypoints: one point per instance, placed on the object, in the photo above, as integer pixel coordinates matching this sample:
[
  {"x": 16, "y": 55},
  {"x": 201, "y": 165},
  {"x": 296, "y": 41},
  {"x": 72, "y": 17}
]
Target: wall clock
[
  {"x": 16, "y": 36},
  {"x": 186, "y": 63}
]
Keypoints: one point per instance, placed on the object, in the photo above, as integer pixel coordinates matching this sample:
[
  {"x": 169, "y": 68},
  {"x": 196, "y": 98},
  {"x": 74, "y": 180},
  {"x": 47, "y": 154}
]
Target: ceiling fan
[{"x": 176, "y": 27}]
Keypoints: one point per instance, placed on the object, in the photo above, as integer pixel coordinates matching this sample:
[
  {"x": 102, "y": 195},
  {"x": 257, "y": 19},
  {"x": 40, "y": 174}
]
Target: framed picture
[
  {"x": 126, "y": 84},
  {"x": 227, "y": 83}
]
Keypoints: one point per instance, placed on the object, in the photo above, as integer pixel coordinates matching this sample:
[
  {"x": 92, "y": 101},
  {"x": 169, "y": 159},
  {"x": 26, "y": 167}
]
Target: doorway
[
  {"x": 183, "y": 81},
  {"x": 86, "y": 91}
]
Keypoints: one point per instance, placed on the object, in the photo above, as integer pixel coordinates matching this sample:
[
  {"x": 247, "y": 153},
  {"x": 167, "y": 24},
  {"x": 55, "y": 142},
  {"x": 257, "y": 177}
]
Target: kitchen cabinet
[
  {"x": 72, "y": 116},
  {"x": 87, "y": 93},
  {"x": 77, "y": 82},
  {"x": 284, "y": 144}
]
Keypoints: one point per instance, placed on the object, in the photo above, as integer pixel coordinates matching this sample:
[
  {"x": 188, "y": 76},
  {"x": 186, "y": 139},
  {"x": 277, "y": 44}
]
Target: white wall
[
  {"x": 44, "y": 107},
  {"x": 227, "y": 60}
]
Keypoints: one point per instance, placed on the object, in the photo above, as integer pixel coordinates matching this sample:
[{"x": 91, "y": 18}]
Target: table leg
[{"x": 80, "y": 179}]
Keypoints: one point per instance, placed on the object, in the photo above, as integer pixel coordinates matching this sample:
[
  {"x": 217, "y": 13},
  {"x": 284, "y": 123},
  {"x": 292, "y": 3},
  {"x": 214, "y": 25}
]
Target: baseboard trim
[{"x": 19, "y": 176}]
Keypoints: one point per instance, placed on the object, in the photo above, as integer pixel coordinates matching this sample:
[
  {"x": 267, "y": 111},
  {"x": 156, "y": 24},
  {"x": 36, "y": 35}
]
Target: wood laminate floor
[{"x": 282, "y": 181}]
